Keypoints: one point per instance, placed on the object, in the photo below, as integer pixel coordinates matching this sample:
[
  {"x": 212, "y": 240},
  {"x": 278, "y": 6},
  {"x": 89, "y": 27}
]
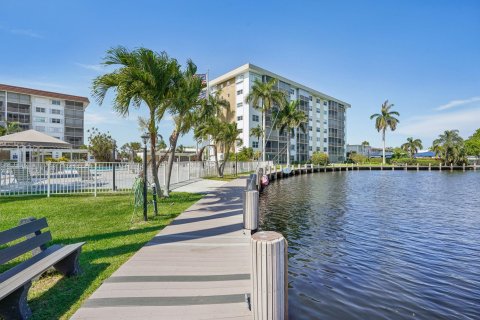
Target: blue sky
[{"x": 424, "y": 56}]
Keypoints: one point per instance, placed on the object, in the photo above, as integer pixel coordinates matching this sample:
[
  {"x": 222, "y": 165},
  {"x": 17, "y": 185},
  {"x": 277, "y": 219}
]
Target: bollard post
[
  {"x": 475, "y": 166},
  {"x": 451, "y": 167},
  {"x": 463, "y": 167},
  {"x": 440, "y": 167},
  {"x": 429, "y": 166},
  {"x": 269, "y": 299},
  {"x": 250, "y": 210},
  {"x": 418, "y": 167}
]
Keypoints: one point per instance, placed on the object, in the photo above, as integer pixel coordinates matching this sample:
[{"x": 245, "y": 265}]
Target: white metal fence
[{"x": 46, "y": 178}]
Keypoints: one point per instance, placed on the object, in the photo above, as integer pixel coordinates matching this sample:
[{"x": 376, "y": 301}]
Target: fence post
[
  {"x": 474, "y": 166},
  {"x": 178, "y": 169},
  {"x": 440, "y": 166},
  {"x": 250, "y": 210},
  {"x": 48, "y": 178},
  {"x": 164, "y": 174},
  {"x": 188, "y": 168},
  {"x": 418, "y": 167},
  {"x": 269, "y": 298},
  {"x": 429, "y": 166},
  {"x": 463, "y": 167},
  {"x": 451, "y": 167},
  {"x": 95, "y": 175}
]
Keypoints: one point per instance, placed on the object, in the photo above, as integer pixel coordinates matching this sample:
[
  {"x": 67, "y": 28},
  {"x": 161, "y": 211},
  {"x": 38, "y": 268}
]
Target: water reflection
[{"x": 365, "y": 245}]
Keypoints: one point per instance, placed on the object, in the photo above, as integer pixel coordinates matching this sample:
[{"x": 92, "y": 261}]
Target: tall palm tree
[
  {"x": 290, "y": 117},
  {"x": 412, "y": 146},
  {"x": 183, "y": 107},
  {"x": 257, "y": 132},
  {"x": 384, "y": 120},
  {"x": 10, "y": 127},
  {"x": 227, "y": 138},
  {"x": 450, "y": 146},
  {"x": 263, "y": 96},
  {"x": 142, "y": 78},
  {"x": 211, "y": 129}
]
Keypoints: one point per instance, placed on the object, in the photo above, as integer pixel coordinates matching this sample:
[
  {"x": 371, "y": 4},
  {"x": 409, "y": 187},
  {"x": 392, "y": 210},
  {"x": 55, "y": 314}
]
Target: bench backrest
[{"x": 35, "y": 239}]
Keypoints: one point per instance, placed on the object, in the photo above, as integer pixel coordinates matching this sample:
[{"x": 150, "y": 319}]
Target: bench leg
[
  {"x": 69, "y": 266},
  {"x": 15, "y": 306}
]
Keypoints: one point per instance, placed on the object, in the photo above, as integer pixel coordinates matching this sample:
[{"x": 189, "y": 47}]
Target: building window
[
  {"x": 240, "y": 79},
  {"x": 318, "y": 139},
  {"x": 310, "y": 107},
  {"x": 318, "y": 110},
  {"x": 324, "y": 103},
  {"x": 318, "y": 148},
  {"x": 56, "y": 111},
  {"x": 255, "y": 144},
  {"x": 292, "y": 91},
  {"x": 38, "y": 109},
  {"x": 324, "y": 149},
  {"x": 40, "y": 128},
  {"x": 325, "y": 131},
  {"x": 56, "y": 102},
  {"x": 255, "y": 118},
  {"x": 310, "y": 128},
  {"x": 318, "y": 120},
  {"x": 310, "y": 148},
  {"x": 40, "y": 119},
  {"x": 55, "y": 120},
  {"x": 292, "y": 147},
  {"x": 240, "y": 104},
  {"x": 311, "y": 99},
  {"x": 239, "y": 118},
  {"x": 240, "y": 131},
  {"x": 310, "y": 138},
  {"x": 318, "y": 129},
  {"x": 325, "y": 122},
  {"x": 239, "y": 92},
  {"x": 325, "y": 112},
  {"x": 325, "y": 140},
  {"x": 318, "y": 100},
  {"x": 58, "y": 130}
]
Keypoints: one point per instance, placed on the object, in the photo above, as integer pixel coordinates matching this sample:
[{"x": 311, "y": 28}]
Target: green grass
[
  {"x": 104, "y": 223},
  {"x": 229, "y": 177}
]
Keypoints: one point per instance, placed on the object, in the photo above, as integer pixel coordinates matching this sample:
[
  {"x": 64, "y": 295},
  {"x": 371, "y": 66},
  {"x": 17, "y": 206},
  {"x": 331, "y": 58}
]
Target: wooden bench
[{"x": 16, "y": 281}]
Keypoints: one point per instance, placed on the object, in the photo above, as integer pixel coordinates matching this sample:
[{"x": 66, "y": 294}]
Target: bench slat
[
  {"x": 32, "y": 268},
  {"x": 18, "y": 249},
  {"x": 22, "y": 230}
]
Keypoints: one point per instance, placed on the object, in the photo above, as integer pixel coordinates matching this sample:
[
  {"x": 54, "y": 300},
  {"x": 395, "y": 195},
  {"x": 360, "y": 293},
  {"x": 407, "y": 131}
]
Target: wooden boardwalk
[{"x": 196, "y": 268}]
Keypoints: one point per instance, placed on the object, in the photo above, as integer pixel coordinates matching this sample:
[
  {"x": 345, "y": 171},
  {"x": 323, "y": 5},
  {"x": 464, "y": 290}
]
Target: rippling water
[{"x": 379, "y": 245}]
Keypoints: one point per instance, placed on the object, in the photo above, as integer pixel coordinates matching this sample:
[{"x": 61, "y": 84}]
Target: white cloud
[
  {"x": 93, "y": 67},
  {"x": 111, "y": 118},
  {"x": 457, "y": 103},
  {"x": 430, "y": 126},
  {"x": 26, "y": 32}
]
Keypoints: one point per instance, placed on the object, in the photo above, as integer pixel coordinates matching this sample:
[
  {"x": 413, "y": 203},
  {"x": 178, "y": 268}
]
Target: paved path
[
  {"x": 196, "y": 268},
  {"x": 198, "y": 186}
]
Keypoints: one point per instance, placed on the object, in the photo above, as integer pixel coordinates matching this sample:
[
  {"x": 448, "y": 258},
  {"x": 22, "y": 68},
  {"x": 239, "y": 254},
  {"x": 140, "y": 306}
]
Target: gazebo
[{"x": 29, "y": 141}]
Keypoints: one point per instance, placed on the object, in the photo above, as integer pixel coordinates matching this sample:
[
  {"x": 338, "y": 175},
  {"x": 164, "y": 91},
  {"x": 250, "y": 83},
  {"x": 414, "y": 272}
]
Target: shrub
[
  {"x": 420, "y": 161},
  {"x": 319, "y": 158},
  {"x": 357, "y": 158}
]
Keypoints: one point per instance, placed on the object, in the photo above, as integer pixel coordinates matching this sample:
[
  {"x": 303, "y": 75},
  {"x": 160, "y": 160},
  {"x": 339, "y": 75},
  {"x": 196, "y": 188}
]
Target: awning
[{"x": 33, "y": 138}]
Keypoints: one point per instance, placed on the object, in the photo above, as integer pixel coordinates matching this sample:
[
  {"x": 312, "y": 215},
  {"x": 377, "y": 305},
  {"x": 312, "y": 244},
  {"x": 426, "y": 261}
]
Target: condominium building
[
  {"x": 56, "y": 114},
  {"x": 326, "y": 128}
]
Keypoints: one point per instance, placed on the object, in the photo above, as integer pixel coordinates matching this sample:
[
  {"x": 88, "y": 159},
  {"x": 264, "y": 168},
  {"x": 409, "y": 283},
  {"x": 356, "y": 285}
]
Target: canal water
[{"x": 380, "y": 244}]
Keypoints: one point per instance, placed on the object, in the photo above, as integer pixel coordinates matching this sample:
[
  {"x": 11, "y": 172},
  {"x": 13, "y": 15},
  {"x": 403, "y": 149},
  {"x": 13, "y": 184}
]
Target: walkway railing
[{"x": 47, "y": 178}]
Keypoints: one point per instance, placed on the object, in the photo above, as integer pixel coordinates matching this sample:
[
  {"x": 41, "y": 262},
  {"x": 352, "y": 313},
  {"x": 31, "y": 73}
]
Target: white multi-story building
[
  {"x": 56, "y": 114},
  {"x": 326, "y": 128}
]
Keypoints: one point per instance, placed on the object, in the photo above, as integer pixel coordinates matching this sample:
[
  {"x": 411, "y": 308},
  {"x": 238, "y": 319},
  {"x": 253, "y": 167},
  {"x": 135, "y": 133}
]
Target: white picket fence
[{"x": 47, "y": 178}]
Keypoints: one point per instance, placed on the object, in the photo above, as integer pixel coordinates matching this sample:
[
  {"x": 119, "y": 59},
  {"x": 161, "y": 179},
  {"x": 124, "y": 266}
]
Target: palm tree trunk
[
  {"x": 215, "y": 153},
  {"x": 383, "y": 138},
  {"x": 225, "y": 159},
  {"x": 264, "y": 138},
  {"x": 288, "y": 149},
  {"x": 154, "y": 164},
  {"x": 171, "y": 158}
]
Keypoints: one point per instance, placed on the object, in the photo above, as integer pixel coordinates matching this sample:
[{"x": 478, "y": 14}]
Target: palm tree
[
  {"x": 131, "y": 148},
  {"x": 450, "y": 146},
  {"x": 266, "y": 94},
  {"x": 227, "y": 138},
  {"x": 257, "y": 132},
  {"x": 365, "y": 144},
  {"x": 288, "y": 118},
  {"x": 143, "y": 78},
  {"x": 184, "y": 106},
  {"x": 384, "y": 120},
  {"x": 412, "y": 146},
  {"x": 10, "y": 127},
  {"x": 210, "y": 129}
]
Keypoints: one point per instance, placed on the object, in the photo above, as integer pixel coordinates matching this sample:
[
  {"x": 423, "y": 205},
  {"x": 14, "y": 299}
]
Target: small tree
[
  {"x": 101, "y": 145},
  {"x": 319, "y": 158}
]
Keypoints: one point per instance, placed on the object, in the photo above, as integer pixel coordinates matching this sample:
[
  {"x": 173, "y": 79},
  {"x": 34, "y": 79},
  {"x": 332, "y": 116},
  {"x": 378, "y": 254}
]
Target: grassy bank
[{"x": 104, "y": 223}]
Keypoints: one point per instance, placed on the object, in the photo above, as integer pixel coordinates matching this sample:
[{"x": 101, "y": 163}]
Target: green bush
[
  {"x": 411, "y": 162},
  {"x": 319, "y": 158},
  {"x": 357, "y": 158},
  {"x": 61, "y": 159},
  {"x": 375, "y": 161}
]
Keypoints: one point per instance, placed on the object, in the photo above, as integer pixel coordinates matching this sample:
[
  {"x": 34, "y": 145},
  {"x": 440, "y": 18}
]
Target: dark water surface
[{"x": 379, "y": 245}]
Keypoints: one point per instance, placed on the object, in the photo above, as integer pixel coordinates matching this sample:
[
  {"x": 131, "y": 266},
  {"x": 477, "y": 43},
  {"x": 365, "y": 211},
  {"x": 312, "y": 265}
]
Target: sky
[{"x": 423, "y": 56}]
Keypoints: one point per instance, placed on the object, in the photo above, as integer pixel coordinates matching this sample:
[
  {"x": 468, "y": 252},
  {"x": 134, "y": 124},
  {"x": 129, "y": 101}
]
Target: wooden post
[
  {"x": 463, "y": 167},
  {"x": 418, "y": 167},
  {"x": 440, "y": 167},
  {"x": 451, "y": 167},
  {"x": 250, "y": 210},
  {"x": 269, "y": 298},
  {"x": 429, "y": 166}
]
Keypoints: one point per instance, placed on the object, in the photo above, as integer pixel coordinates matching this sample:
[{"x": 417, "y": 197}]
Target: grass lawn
[{"x": 104, "y": 223}]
